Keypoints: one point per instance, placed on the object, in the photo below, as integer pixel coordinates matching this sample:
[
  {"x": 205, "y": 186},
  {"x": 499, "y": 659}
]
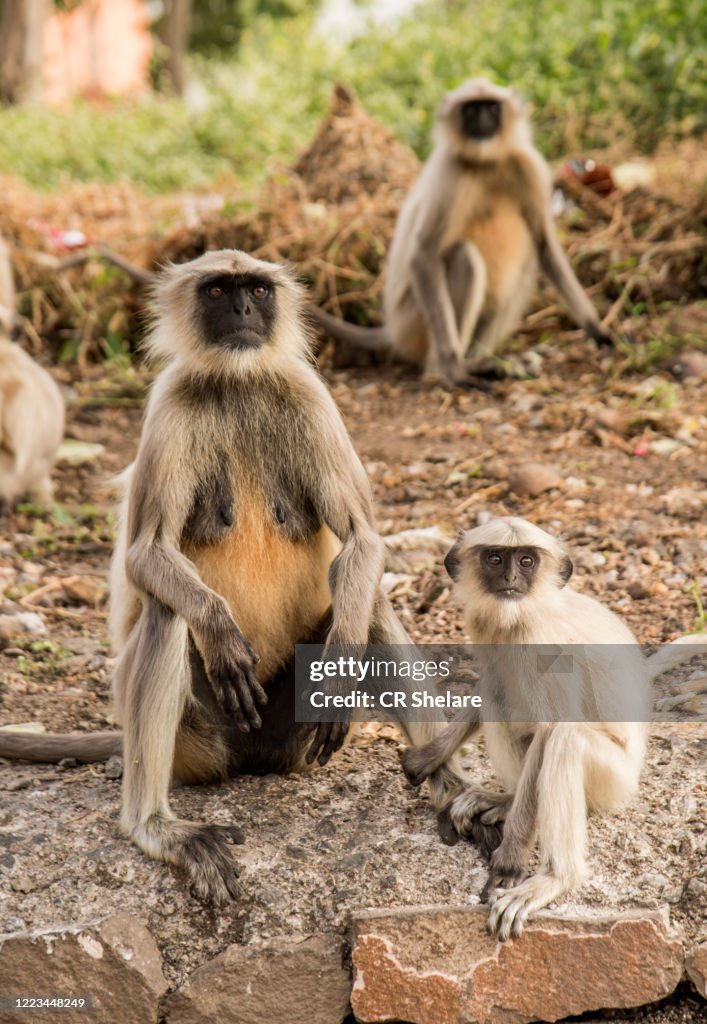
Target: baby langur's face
[{"x": 506, "y": 573}]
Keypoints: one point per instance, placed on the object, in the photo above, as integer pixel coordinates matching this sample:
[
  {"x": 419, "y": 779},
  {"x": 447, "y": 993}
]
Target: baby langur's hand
[
  {"x": 230, "y": 666},
  {"x": 328, "y": 738}
]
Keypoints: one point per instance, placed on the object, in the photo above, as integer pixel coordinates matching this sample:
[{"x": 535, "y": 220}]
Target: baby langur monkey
[
  {"x": 31, "y": 409},
  {"x": 246, "y": 529},
  {"x": 468, "y": 243},
  {"x": 565, "y": 736}
]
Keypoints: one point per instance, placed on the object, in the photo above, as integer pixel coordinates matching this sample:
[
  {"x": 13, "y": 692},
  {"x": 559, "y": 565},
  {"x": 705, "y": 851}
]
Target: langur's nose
[{"x": 241, "y": 306}]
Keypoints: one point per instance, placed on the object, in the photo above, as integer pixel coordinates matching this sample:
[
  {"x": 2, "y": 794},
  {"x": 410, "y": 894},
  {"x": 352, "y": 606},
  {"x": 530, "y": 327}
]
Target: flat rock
[
  {"x": 12, "y": 627},
  {"x": 115, "y": 962},
  {"x": 321, "y": 846},
  {"x": 254, "y": 985},
  {"x": 438, "y": 965},
  {"x": 78, "y": 453}
]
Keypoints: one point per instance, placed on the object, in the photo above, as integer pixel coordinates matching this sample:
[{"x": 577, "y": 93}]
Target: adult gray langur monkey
[
  {"x": 31, "y": 409},
  {"x": 563, "y": 738},
  {"x": 468, "y": 243},
  {"x": 246, "y": 529}
]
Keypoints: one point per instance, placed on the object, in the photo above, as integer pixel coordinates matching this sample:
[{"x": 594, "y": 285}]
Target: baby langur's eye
[
  {"x": 259, "y": 292},
  {"x": 215, "y": 291},
  {"x": 494, "y": 559},
  {"x": 527, "y": 561}
]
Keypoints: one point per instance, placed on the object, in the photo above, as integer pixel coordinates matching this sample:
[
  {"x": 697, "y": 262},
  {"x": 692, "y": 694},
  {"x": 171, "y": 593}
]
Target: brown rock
[
  {"x": 612, "y": 419},
  {"x": 532, "y": 478},
  {"x": 433, "y": 965},
  {"x": 696, "y": 966},
  {"x": 638, "y": 591},
  {"x": 84, "y": 590},
  {"x": 115, "y": 962},
  {"x": 302, "y": 982}
]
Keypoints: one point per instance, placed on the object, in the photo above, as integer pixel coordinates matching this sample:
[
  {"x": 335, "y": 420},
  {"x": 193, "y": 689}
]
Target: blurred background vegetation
[{"x": 260, "y": 74}]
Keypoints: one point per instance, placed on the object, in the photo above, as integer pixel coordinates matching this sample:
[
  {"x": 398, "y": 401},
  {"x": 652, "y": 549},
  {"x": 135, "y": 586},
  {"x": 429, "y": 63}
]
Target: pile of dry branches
[{"x": 332, "y": 215}]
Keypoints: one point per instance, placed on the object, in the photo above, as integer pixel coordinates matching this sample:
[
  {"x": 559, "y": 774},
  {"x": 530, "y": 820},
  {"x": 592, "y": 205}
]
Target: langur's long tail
[
  {"x": 49, "y": 748},
  {"x": 374, "y": 339},
  {"x": 676, "y": 653},
  {"x": 443, "y": 759}
]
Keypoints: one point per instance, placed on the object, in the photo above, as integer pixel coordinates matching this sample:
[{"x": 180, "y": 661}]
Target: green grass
[
  {"x": 701, "y": 616},
  {"x": 593, "y": 69}
]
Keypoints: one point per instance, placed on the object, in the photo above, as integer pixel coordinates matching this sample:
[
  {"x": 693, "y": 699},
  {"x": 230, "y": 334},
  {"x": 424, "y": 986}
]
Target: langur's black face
[
  {"x": 237, "y": 311},
  {"x": 481, "y": 119},
  {"x": 509, "y": 573}
]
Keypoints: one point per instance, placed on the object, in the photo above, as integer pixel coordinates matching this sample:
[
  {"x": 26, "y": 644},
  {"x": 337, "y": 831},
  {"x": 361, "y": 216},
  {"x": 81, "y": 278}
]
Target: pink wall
[{"x": 100, "y": 47}]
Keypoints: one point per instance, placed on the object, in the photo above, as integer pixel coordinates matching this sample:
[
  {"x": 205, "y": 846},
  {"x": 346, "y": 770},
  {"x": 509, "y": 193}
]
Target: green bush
[{"x": 593, "y": 69}]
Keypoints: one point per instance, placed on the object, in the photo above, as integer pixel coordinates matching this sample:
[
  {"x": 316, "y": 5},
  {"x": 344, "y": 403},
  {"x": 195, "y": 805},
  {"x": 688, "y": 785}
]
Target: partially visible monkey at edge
[
  {"x": 31, "y": 409},
  {"x": 561, "y": 743},
  {"x": 468, "y": 243},
  {"x": 246, "y": 528}
]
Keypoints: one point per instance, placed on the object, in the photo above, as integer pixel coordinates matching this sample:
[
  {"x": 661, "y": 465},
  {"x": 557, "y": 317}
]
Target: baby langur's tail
[
  {"x": 446, "y": 777},
  {"x": 676, "y": 653},
  {"x": 49, "y": 748},
  {"x": 374, "y": 339},
  {"x": 427, "y": 759}
]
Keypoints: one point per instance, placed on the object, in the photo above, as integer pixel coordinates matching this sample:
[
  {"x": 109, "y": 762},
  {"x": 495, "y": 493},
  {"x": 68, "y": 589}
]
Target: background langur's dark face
[
  {"x": 480, "y": 119},
  {"x": 237, "y": 311}
]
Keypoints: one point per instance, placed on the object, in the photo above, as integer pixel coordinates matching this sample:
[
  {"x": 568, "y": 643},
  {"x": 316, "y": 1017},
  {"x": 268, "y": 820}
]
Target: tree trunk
[
  {"x": 175, "y": 36},
  {"x": 22, "y": 50}
]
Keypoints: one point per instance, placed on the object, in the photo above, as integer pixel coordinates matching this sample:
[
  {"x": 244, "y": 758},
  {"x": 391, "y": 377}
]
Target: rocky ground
[{"x": 623, "y": 481}]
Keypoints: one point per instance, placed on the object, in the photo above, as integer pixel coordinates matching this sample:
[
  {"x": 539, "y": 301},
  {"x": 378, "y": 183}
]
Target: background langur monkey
[
  {"x": 468, "y": 242},
  {"x": 561, "y": 741},
  {"x": 31, "y": 409},
  {"x": 246, "y": 528}
]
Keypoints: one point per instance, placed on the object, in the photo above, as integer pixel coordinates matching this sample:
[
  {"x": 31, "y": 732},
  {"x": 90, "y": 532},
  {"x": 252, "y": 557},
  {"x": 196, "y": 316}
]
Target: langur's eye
[
  {"x": 494, "y": 560},
  {"x": 259, "y": 292},
  {"x": 215, "y": 291},
  {"x": 527, "y": 561}
]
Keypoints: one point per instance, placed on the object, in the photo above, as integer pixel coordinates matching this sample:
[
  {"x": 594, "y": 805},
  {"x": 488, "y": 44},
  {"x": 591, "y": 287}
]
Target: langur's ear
[
  {"x": 566, "y": 570},
  {"x": 452, "y": 562},
  {"x": 445, "y": 107}
]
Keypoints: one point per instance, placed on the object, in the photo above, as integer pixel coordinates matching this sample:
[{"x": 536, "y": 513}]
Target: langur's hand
[
  {"x": 328, "y": 738},
  {"x": 230, "y": 666}
]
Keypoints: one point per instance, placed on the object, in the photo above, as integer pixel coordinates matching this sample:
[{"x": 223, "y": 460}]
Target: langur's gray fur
[
  {"x": 468, "y": 243},
  {"x": 246, "y": 528},
  {"x": 587, "y": 756}
]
